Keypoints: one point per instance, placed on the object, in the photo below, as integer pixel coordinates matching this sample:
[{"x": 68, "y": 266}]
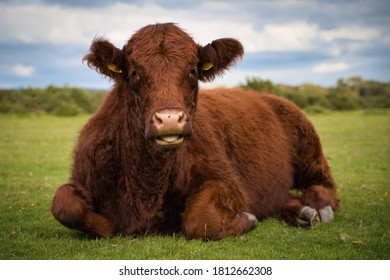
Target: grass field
[{"x": 35, "y": 157}]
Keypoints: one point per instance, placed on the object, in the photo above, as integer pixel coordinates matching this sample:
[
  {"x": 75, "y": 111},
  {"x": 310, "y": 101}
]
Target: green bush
[
  {"x": 348, "y": 94},
  {"x": 344, "y": 101},
  {"x": 299, "y": 99},
  {"x": 316, "y": 109},
  {"x": 67, "y": 109},
  {"x": 259, "y": 85},
  {"x": 63, "y": 101}
]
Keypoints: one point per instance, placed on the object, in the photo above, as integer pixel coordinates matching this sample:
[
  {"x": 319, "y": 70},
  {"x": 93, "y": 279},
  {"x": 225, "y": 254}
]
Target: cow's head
[{"x": 160, "y": 67}]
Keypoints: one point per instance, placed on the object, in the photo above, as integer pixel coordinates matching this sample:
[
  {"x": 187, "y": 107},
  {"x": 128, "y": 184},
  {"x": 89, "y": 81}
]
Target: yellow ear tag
[
  {"x": 207, "y": 66},
  {"x": 114, "y": 68}
]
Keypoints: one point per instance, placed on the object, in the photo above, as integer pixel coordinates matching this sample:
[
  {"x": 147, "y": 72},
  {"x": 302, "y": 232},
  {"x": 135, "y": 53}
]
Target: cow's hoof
[
  {"x": 326, "y": 214},
  {"x": 307, "y": 217},
  {"x": 251, "y": 218}
]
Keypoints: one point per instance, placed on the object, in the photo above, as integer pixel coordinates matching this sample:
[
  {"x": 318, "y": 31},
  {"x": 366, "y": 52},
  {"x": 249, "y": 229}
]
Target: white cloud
[
  {"x": 335, "y": 51},
  {"x": 327, "y": 67},
  {"x": 293, "y": 36},
  {"x": 59, "y": 25},
  {"x": 352, "y": 33},
  {"x": 55, "y": 24},
  {"x": 22, "y": 70},
  {"x": 386, "y": 39},
  {"x": 217, "y": 5},
  {"x": 41, "y": 24}
]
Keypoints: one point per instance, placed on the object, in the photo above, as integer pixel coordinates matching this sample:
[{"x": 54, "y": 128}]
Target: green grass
[{"x": 35, "y": 157}]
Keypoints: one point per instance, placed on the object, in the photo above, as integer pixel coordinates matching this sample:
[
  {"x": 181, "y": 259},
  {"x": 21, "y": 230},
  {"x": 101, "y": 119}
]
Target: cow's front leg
[
  {"x": 72, "y": 207},
  {"x": 215, "y": 212}
]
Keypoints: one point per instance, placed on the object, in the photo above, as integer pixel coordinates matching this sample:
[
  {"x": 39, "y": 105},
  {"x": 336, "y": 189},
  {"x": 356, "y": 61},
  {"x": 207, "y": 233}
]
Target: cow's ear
[
  {"x": 105, "y": 58},
  {"x": 217, "y": 57}
]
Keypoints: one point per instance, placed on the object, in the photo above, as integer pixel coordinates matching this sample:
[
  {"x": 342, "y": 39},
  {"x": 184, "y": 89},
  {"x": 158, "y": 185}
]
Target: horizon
[{"x": 202, "y": 85}]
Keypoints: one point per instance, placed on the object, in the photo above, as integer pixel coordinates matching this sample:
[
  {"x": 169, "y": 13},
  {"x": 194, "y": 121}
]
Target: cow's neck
[
  {"x": 149, "y": 169},
  {"x": 154, "y": 170},
  {"x": 150, "y": 178}
]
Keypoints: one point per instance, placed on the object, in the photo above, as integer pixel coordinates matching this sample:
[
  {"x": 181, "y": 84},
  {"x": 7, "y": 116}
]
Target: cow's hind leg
[
  {"x": 316, "y": 204},
  {"x": 72, "y": 207},
  {"x": 296, "y": 213},
  {"x": 216, "y": 212},
  {"x": 323, "y": 199},
  {"x": 314, "y": 179}
]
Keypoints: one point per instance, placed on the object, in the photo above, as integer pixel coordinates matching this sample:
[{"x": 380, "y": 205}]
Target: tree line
[
  {"x": 61, "y": 101},
  {"x": 348, "y": 94}
]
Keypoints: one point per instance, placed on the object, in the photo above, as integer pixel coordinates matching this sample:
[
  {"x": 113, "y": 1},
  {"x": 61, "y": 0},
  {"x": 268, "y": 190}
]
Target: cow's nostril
[
  {"x": 182, "y": 118},
  {"x": 157, "y": 120}
]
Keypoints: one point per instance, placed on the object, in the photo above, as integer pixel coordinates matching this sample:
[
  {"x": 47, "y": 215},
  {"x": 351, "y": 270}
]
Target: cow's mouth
[{"x": 169, "y": 140}]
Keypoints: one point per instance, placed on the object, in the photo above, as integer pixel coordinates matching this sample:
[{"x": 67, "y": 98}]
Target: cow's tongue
[
  {"x": 167, "y": 140},
  {"x": 170, "y": 138}
]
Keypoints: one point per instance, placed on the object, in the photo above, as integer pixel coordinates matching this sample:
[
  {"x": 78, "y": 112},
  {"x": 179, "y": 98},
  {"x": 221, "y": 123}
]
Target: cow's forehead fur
[{"x": 161, "y": 44}]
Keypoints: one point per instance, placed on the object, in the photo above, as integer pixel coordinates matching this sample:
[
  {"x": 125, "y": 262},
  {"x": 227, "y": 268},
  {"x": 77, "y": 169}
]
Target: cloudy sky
[{"x": 42, "y": 42}]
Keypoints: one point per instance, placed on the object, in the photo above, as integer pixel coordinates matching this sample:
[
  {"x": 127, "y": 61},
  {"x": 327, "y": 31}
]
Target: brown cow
[{"x": 159, "y": 156}]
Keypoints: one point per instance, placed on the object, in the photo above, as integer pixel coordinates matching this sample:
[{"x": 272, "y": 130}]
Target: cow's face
[{"x": 160, "y": 67}]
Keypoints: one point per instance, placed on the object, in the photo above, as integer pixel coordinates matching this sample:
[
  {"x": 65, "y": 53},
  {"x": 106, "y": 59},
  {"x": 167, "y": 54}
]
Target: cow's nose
[
  {"x": 169, "y": 121},
  {"x": 170, "y": 126}
]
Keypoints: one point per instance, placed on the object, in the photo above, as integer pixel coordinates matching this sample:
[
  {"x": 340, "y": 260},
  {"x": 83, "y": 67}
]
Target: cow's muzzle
[{"x": 170, "y": 127}]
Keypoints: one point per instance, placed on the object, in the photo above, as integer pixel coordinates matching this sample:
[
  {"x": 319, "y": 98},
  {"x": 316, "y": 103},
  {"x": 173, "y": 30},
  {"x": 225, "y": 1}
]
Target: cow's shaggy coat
[{"x": 161, "y": 156}]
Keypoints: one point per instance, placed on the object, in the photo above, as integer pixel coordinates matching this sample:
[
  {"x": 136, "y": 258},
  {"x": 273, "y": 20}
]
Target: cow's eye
[
  {"x": 194, "y": 73},
  {"x": 135, "y": 79},
  {"x": 133, "y": 74},
  {"x": 192, "y": 77}
]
